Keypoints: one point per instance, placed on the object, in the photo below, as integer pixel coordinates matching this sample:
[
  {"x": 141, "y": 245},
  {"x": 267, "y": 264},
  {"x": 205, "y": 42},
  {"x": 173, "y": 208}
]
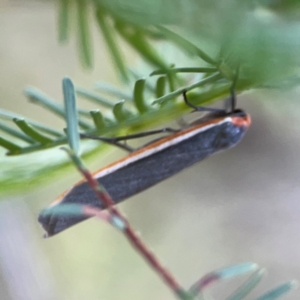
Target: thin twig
[{"x": 127, "y": 229}]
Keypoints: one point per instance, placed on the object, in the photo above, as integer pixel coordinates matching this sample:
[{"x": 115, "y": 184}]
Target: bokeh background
[{"x": 238, "y": 206}]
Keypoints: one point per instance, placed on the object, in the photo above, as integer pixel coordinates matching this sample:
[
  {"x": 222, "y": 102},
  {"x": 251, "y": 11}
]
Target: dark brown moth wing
[{"x": 148, "y": 171}]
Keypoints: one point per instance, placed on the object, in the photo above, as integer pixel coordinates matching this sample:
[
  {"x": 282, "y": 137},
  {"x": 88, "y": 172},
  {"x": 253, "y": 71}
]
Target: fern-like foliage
[
  {"x": 216, "y": 38},
  {"x": 135, "y": 113}
]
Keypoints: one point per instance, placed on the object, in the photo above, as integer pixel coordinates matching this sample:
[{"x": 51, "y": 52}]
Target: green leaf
[
  {"x": 221, "y": 274},
  {"x": 114, "y": 49},
  {"x": 248, "y": 286},
  {"x": 112, "y": 90},
  {"x": 94, "y": 98},
  {"x": 186, "y": 45},
  {"x": 31, "y": 132},
  {"x": 137, "y": 40},
  {"x": 71, "y": 115},
  {"x": 98, "y": 119},
  {"x": 279, "y": 291},
  {"x": 12, "y": 147},
  {"x": 184, "y": 295},
  {"x": 138, "y": 96},
  {"x": 143, "y": 13},
  {"x": 16, "y": 133},
  {"x": 64, "y": 7},
  {"x": 84, "y": 38},
  {"x": 236, "y": 270},
  {"x": 64, "y": 210},
  {"x": 120, "y": 112},
  {"x": 7, "y": 115},
  {"x": 160, "y": 87},
  {"x": 40, "y": 98}
]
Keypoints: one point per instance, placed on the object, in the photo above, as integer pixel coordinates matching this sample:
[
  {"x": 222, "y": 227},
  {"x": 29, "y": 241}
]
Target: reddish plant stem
[{"x": 131, "y": 235}]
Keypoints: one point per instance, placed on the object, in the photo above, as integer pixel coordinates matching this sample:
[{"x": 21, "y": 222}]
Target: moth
[{"x": 219, "y": 130}]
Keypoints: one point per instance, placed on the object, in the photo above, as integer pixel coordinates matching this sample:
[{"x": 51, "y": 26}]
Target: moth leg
[
  {"x": 144, "y": 134},
  {"x": 110, "y": 141},
  {"x": 116, "y": 140},
  {"x": 232, "y": 90},
  {"x": 199, "y": 108}
]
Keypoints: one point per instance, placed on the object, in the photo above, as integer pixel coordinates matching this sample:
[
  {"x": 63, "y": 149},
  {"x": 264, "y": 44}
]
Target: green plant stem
[
  {"x": 184, "y": 70},
  {"x": 178, "y": 92}
]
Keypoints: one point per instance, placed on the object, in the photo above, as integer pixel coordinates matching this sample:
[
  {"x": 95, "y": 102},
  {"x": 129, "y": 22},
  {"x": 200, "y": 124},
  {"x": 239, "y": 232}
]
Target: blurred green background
[{"x": 241, "y": 205}]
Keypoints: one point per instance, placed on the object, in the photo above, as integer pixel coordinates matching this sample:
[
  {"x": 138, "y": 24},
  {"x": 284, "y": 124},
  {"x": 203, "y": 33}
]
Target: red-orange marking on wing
[
  {"x": 156, "y": 144},
  {"x": 242, "y": 121}
]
